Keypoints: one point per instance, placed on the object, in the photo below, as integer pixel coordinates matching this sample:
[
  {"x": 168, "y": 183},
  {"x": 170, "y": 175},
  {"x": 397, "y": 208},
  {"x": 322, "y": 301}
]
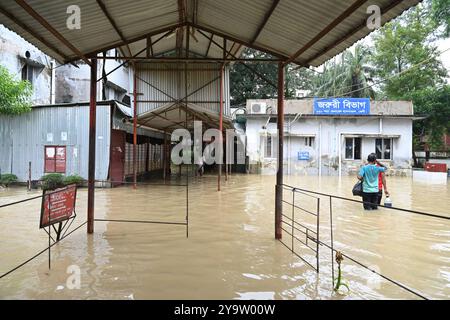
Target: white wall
[
  {"x": 12, "y": 46},
  {"x": 73, "y": 83}
]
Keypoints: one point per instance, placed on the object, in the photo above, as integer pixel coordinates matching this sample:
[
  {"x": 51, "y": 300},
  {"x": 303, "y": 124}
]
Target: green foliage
[
  {"x": 15, "y": 95},
  {"x": 349, "y": 77},
  {"x": 248, "y": 83},
  {"x": 405, "y": 57},
  {"x": 73, "y": 179},
  {"x": 408, "y": 63},
  {"x": 52, "y": 181},
  {"x": 440, "y": 10},
  {"x": 435, "y": 104},
  {"x": 7, "y": 179}
]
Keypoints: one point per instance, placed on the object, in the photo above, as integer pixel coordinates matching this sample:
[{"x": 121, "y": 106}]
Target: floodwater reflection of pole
[
  {"x": 220, "y": 127},
  {"x": 280, "y": 125},
  {"x": 134, "y": 129},
  {"x": 92, "y": 134}
]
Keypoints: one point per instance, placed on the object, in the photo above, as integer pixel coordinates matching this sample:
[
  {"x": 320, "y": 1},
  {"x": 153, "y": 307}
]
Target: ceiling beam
[
  {"x": 348, "y": 12},
  {"x": 113, "y": 23},
  {"x": 360, "y": 27},
  {"x": 52, "y": 30},
  {"x": 168, "y": 29},
  {"x": 240, "y": 41},
  {"x": 194, "y": 59},
  {"x": 149, "y": 47},
  {"x": 245, "y": 65},
  {"x": 181, "y": 20},
  {"x": 209, "y": 45},
  {"x": 195, "y": 11},
  {"x": 33, "y": 33},
  {"x": 264, "y": 22}
]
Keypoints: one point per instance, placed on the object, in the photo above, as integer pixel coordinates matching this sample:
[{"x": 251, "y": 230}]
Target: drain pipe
[
  {"x": 297, "y": 116},
  {"x": 52, "y": 82}
]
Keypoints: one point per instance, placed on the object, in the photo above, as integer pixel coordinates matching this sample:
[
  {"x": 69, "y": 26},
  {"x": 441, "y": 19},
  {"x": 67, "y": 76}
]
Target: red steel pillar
[
  {"x": 220, "y": 127},
  {"x": 280, "y": 125},
  {"x": 92, "y": 139},
  {"x": 134, "y": 129}
]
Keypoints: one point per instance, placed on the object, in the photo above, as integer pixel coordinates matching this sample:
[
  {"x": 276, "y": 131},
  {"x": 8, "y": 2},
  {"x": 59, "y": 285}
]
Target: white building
[
  {"x": 26, "y": 62},
  {"x": 318, "y": 143},
  {"x": 53, "y": 83}
]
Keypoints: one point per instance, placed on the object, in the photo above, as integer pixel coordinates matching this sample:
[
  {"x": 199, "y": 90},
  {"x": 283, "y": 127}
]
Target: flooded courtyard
[{"x": 231, "y": 252}]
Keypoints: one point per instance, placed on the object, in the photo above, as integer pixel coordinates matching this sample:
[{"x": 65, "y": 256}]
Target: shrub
[
  {"x": 7, "y": 179},
  {"x": 52, "y": 181},
  {"x": 15, "y": 95},
  {"x": 73, "y": 179}
]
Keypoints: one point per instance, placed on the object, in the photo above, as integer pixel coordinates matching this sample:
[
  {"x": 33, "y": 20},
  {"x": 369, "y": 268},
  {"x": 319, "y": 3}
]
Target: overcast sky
[{"x": 445, "y": 57}]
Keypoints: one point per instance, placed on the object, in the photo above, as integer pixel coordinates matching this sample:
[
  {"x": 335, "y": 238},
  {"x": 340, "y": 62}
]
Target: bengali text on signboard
[
  {"x": 342, "y": 106},
  {"x": 303, "y": 155}
]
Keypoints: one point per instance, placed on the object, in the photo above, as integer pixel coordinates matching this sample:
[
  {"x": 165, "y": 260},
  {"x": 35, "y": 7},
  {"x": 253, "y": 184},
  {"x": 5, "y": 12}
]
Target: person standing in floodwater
[
  {"x": 368, "y": 174},
  {"x": 200, "y": 163}
]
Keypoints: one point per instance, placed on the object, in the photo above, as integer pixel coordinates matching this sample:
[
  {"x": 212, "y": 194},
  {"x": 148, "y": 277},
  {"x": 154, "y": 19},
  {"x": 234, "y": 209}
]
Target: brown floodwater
[{"x": 231, "y": 252}]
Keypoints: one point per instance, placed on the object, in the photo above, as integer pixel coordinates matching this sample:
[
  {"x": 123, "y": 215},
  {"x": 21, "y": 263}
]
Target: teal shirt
[{"x": 370, "y": 174}]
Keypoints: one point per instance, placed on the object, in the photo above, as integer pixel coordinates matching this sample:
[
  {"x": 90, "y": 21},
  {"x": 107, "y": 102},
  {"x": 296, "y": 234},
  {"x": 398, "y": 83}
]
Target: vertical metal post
[
  {"x": 332, "y": 241},
  {"x": 186, "y": 125},
  {"x": 293, "y": 219},
  {"x": 226, "y": 156},
  {"x": 318, "y": 228},
  {"x": 134, "y": 128},
  {"x": 49, "y": 248},
  {"x": 29, "y": 176},
  {"x": 92, "y": 141},
  {"x": 220, "y": 128},
  {"x": 280, "y": 125}
]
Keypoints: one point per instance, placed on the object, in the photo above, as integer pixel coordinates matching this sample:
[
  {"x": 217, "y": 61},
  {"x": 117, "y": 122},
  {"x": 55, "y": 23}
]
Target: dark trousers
[
  {"x": 370, "y": 200},
  {"x": 380, "y": 195}
]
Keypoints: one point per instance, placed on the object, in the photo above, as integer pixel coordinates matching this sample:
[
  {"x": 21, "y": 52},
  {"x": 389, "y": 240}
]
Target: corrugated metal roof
[
  {"x": 292, "y": 25},
  {"x": 170, "y": 117}
]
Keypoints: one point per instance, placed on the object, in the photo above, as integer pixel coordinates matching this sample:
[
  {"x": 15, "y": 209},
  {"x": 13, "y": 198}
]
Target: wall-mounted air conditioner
[{"x": 258, "y": 108}]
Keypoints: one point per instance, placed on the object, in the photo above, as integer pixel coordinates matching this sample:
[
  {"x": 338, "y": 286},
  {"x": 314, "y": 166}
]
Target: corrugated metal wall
[
  {"x": 22, "y": 139},
  {"x": 159, "y": 83}
]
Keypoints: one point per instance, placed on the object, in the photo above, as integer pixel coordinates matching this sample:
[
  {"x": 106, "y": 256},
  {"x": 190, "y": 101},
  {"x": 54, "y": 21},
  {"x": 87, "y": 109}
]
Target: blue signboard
[
  {"x": 342, "y": 106},
  {"x": 303, "y": 155}
]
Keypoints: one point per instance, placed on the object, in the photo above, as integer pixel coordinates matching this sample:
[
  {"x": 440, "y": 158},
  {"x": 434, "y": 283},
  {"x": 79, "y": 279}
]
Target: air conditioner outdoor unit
[{"x": 258, "y": 108}]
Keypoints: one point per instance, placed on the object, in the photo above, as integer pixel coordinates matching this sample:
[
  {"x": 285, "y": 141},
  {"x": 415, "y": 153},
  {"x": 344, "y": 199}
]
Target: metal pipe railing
[{"x": 331, "y": 245}]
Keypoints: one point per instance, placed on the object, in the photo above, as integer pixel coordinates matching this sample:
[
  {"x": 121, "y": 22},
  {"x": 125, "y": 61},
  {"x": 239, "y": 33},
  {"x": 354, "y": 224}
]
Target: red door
[{"x": 117, "y": 166}]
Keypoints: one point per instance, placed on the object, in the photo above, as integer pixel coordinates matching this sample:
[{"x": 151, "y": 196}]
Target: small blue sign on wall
[
  {"x": 303, "y": 155},
  {"x": 342, "y": 106}
]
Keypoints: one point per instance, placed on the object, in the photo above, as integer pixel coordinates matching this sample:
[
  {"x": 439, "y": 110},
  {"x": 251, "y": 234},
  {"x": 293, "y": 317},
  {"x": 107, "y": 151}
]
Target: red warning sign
[{"x": 58, "y": 205}]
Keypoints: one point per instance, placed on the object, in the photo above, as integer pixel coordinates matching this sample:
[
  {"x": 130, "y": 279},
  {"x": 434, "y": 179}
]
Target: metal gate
[{"x": 301, "y": 223}]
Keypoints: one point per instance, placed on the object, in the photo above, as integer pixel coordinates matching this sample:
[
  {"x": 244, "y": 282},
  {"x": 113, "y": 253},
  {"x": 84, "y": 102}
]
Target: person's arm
[
  {"x": 361, "y": 174},
  {"x": 380, "y": 164},
  {"x": 383, "y": 181}
]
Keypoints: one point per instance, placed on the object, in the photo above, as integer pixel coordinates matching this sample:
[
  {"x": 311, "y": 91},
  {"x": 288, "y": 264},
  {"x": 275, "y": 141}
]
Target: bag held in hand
[{"x": 358, "y": 189}]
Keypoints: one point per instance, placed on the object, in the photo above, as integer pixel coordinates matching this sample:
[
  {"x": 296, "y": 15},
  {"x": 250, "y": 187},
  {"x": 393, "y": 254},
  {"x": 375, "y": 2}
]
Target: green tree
[
  {"x": 435, "y": 104},
  {"x": 350, "y": 77},
  {"x": 405, "y": 58},
  {"x": 15, "y": 95},
  {"x": 407, "y": 64},
  {"x": 440, "y": 10},
  {"x": 250, "y": 81}
]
